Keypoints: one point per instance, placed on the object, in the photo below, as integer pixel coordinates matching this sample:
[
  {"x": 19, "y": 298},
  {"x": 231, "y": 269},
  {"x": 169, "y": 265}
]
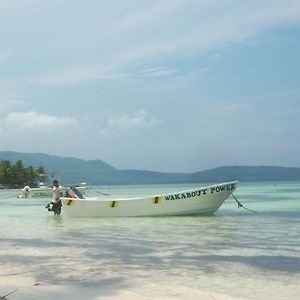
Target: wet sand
[{"x": 24, "y": 287}]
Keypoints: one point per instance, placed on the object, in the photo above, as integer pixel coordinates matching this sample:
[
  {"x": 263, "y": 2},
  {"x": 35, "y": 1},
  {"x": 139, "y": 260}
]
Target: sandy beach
[{"x": 24, "y": 287}]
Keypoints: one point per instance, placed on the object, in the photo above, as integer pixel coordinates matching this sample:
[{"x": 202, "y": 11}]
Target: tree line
[{"x": 17, "y": 175}]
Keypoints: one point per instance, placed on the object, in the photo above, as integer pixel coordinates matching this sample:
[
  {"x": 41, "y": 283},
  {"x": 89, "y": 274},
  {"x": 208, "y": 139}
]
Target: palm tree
[
  {"x": 6, "y": 172},
  {"x": 41, "y": 174},
  {"x": 30, "y": 176}
]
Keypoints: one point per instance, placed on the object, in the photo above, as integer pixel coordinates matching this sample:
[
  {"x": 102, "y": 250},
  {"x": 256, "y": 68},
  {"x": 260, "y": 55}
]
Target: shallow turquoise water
[{"x": 235, "y": 252}]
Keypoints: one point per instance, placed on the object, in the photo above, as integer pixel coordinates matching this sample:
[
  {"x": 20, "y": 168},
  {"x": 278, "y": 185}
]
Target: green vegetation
[
  {"x": 16, "y": 175},
  {"x": 96, "y": 172}
]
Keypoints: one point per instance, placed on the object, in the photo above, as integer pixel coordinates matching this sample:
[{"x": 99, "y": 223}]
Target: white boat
[
  {"x": 46, "y": 191},
  {"x": 203, "y": 200}
]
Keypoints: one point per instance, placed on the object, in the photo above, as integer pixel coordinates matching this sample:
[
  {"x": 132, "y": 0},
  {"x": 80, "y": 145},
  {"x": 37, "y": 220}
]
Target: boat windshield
[{"x": 78, "y": 193}]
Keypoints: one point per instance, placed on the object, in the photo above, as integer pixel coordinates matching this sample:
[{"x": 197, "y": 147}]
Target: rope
[
  {"x": 241, "y": 205},
  {"x": 4, "y": 297}
]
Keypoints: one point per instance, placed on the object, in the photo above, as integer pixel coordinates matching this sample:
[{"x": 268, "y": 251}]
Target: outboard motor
[{"x": 26, "y": 191}]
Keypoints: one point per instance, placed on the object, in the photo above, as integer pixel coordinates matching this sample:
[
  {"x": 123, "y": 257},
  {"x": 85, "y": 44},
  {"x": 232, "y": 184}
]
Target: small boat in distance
[
  {"x": 202, "y": 201},
  {"x": 47, "y": 191}
]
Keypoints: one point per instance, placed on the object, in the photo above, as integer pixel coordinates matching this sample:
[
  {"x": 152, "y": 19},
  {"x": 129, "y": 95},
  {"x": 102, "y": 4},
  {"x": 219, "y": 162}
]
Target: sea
[{"x": 233, "y": 254}]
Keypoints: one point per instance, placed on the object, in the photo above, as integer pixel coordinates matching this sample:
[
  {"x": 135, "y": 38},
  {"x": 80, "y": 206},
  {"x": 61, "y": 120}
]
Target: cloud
[
  {"x": 135, "y": 31},
  {"x": 198, "y": 26},
  {"x": 127, "y": 123},
  {"x": 187, "y": 63},
  {"x": 160, "y": 72},
  {"x": 71, "y": 75},
  {"x": 8, "y": 102},
  {"x": 31, "y": 122}
]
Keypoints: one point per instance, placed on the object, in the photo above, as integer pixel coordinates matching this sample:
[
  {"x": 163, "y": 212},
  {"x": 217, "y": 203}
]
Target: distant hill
[{"x": 97, "y": 172}]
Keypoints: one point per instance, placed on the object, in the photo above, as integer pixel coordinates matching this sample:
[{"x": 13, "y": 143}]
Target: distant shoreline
[
  {"x": 97, "y": 172},
  {"x": 14, "y": 186},
  {"x": 275, "y": 182}
]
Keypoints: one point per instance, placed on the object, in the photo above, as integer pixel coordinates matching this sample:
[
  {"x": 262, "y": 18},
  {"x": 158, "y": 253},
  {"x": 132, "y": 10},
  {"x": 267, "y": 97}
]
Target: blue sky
[{"x": 176, "y": 86}]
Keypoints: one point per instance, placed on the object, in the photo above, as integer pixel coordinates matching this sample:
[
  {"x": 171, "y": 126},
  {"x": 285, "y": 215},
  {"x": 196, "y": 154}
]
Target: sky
[{"x": 162, "y": 85}]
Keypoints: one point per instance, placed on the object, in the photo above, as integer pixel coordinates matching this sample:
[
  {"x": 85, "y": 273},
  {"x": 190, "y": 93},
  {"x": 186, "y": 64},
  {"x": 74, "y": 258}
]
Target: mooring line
[
  {"x": 241, "y": 205},
  {"x": 4, "y": 297}
]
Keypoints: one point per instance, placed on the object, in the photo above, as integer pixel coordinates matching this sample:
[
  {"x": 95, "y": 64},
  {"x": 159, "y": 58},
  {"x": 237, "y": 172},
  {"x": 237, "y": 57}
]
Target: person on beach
[{"x": 55, "y": 205}]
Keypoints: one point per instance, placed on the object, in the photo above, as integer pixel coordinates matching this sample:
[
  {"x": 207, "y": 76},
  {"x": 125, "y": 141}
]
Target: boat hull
[
  {"x": 46, "y": 192},
  {"x": 202, "y": 201}
]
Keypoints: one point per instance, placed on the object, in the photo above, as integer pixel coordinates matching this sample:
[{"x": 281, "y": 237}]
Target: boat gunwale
[{"x": 95, "y": 199}]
